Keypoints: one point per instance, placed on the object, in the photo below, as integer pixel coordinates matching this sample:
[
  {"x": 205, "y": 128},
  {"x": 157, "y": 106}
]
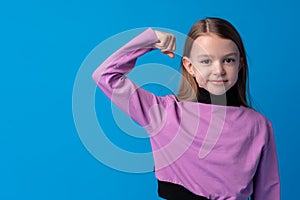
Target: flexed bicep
[{"x": 143, "y": 106}]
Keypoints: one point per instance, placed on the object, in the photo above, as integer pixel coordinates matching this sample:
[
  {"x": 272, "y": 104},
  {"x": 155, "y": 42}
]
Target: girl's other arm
[{"x": 266, "y": 180}]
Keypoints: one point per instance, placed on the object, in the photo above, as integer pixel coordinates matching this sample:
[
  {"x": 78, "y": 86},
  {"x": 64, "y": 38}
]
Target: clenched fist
[{"x": 167, "y": 43}]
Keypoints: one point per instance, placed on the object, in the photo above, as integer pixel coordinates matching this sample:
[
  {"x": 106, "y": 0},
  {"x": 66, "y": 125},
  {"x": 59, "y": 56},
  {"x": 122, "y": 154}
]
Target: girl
[{"x": 207, "y": 142}]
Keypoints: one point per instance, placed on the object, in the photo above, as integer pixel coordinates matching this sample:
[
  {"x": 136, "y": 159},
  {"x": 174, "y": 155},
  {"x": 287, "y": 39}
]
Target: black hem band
[{"x": 171, "y": 191}]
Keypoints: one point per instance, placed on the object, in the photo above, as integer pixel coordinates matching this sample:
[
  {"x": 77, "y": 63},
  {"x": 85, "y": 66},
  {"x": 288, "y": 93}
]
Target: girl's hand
[{"x": 167, "y": 43}]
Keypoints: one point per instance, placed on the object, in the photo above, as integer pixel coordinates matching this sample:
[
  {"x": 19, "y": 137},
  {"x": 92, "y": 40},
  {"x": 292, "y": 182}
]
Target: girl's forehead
[{"x": 212, "y": 44}]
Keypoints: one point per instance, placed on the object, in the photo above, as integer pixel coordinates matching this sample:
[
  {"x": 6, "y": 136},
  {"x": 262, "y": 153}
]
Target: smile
[{"x": 218, "y": 82}]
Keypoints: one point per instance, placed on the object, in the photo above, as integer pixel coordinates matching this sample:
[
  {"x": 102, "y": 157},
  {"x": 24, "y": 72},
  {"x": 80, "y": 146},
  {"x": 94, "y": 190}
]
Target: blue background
[{"x": 43, "y": 44}]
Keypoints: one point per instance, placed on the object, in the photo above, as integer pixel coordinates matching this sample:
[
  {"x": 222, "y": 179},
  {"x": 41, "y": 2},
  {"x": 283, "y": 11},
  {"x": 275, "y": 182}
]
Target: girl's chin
[{"x": 217, "y": 93}]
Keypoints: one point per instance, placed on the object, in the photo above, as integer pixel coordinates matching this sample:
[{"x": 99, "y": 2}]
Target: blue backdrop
[{"x": 44, "y": 43}]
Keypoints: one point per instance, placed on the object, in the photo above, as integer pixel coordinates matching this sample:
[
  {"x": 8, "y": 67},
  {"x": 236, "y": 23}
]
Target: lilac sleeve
[
  {"x": 138, "y": 103},
  {"x": 266, "y": 180}
]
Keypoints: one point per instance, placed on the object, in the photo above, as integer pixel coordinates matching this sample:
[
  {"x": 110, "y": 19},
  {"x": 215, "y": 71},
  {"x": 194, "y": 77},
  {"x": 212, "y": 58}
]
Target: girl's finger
[{"x": 170, "y": 54}]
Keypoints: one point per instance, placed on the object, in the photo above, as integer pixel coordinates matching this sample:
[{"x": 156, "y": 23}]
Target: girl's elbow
[
  {"x": 98, "y": 74},
  {"x": 95, "y": 76}
]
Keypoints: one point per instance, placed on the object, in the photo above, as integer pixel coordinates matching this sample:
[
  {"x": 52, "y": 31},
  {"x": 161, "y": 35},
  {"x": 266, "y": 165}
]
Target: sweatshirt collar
[{"x": 230, "y": 98}]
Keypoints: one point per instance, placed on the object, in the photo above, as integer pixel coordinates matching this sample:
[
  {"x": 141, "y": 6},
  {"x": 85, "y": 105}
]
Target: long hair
[{"x": 188, "y": 88}]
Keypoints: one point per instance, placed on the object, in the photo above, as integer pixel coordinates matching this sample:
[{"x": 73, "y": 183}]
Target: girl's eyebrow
[
  {"x": 203, "y": 55},
  {"x": 210, "y": 56},
  {"x": 231, "y": 54}
]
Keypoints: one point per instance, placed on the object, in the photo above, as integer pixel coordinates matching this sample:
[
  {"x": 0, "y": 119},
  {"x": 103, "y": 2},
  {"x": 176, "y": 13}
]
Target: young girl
[{"x": 207, "y": 142}]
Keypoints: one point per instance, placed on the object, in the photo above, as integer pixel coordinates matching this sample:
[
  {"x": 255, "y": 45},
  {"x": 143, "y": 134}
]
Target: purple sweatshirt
[{"x": 219, "y": 152}]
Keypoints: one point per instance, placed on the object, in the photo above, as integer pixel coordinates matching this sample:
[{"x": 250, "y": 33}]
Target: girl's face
[{"x": 214, "y": 62}]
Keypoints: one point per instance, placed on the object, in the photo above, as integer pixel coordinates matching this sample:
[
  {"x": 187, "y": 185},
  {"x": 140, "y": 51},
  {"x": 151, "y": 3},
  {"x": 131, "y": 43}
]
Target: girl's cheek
[
  {"x": 201, "y": 82},
  {"x": 201, "y": 75}
]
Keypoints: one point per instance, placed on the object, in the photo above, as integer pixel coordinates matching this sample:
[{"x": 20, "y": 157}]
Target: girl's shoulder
[
  {"x": 239, "y": 112},
  {"x": 260, "y": 117}
]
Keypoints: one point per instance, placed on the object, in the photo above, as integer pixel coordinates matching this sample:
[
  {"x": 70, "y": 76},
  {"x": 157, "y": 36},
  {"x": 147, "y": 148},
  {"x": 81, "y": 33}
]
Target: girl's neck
[{"x": 230, "y": 98}]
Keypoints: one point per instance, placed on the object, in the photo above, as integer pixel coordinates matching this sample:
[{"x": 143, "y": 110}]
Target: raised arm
[{"x": 143, "y": 106}]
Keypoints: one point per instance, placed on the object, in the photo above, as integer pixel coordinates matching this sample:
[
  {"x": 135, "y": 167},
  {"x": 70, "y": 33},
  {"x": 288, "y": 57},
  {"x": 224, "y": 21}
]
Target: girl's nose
[{"x": 219, "y": 69}]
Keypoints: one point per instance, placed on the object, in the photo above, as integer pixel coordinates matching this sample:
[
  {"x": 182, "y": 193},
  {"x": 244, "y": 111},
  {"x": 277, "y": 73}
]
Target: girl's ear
[{"x": 188, "y": 65}]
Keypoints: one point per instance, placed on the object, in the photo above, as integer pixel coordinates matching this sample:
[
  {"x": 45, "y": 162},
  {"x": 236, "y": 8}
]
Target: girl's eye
[
  {"x": 229, "y": 60},
  {"x": 206, "y": 62}
]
